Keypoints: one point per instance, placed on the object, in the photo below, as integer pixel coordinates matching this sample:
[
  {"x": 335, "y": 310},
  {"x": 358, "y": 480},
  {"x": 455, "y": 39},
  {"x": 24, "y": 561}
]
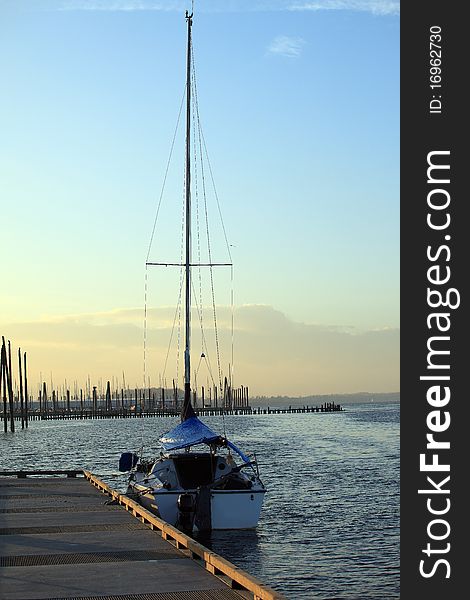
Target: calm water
[{"x": 330, "y": 523}]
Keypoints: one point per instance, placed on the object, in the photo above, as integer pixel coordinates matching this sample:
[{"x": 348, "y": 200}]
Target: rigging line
[
  {"x": 172, "y": 329},
  {"x": 208, "y": 238},
  {"x": 182, "y": 271},
  {"x": 183, "y": 219},
  {"x": 216, "y": 196},
  {"x": 165, "y": 176},
  {"x": 232, "y": 310},
  {"x": 207, "y": 224},
  {"x": 145, "y": 322},
  {"x": 208, "y": 368},
  {"x": 204, "y": 344},
  {"x": 144, "y": 358},
  {"x": 178, "y": 343},
  {"x": 141, "y": 435},
  {"x": 214, "y": 312},
  {"x": 197, "y": 370},
  {"x": 198, "y": 235},
  {"x": 178, "y": 305},
  {"x": 200, "y": 134}
]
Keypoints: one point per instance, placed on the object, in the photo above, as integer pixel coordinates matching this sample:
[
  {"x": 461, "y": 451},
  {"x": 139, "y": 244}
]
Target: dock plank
[
  {"x": 96, "y": 579},
  {"x": 53, "y": 543},
  {"x": 96, "y": 550}
]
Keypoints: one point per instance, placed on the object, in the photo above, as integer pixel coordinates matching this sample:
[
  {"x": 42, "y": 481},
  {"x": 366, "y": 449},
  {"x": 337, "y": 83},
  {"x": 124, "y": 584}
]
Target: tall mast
[{"x": 187, "y": 361}]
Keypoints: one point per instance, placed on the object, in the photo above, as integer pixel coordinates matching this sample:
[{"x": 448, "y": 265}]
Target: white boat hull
[{"x": 230, "y": 509}]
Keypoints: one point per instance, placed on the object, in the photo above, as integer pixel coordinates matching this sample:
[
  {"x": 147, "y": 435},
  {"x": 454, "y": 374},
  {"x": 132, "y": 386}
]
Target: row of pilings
[
  {"x": 95, "y": 403},
  {"x": 118, "y": 413},
  {"x": 138, "y": 404},
  {"x": 91, "y": 403},
  {"x": 10, "y": 410}
]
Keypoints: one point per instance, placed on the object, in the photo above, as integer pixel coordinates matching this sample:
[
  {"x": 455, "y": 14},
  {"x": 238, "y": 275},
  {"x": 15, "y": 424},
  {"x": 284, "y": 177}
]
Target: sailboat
[{"x": 218, "y": 486}]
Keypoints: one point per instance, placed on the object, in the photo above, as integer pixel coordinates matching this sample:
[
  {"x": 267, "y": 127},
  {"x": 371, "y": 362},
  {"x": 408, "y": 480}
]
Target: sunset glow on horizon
[{"x": 300, "y": 111}]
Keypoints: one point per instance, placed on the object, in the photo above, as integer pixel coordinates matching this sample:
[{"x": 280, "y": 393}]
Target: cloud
[
  {"x": 376, "y": 7},
  {"x": 274, "y": 355},
  {"x": 122, "y": 5},
  {"x": 284, "y": 45}
]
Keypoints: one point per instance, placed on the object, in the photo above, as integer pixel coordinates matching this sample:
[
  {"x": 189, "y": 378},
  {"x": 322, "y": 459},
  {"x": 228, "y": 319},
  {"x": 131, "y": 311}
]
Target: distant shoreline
[{"x": 356, "y": 398}]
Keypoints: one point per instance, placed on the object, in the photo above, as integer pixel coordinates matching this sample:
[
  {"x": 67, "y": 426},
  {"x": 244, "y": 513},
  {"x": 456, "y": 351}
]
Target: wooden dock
[
  {"x": 67, "y": 535},
  {"x": 74, "y": 414}
]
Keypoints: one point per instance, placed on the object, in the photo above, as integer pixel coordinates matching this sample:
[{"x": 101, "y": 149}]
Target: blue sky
[{"x": 299, "y": 104}]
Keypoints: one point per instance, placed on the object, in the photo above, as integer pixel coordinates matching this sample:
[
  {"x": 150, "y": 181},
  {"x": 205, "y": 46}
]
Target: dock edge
[{"x": 233, "y": 576}]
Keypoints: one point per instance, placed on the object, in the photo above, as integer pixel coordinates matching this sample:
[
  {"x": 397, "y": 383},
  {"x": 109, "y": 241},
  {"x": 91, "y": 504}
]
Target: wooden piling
[
  {"x": 10, "y": 391},
  {"x": 108, "y": 396},
  {"x": 44, "y": 399},
  {"x": 3, "y": 382},
  {"x": 26, "y": 399},
  {"x": 21, "y": 388}
]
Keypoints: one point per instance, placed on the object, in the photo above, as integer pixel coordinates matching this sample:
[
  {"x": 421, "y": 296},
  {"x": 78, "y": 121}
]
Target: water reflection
[
  {"x": 329, "y": 527},
  {"x": 242, "y": 545}
]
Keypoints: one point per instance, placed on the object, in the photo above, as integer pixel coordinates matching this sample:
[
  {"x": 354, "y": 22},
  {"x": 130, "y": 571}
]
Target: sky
[{"x": 299, "y": 105}]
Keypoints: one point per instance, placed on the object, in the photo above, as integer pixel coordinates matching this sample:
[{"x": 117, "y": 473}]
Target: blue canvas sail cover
[{"x": 192, "y": 432}]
